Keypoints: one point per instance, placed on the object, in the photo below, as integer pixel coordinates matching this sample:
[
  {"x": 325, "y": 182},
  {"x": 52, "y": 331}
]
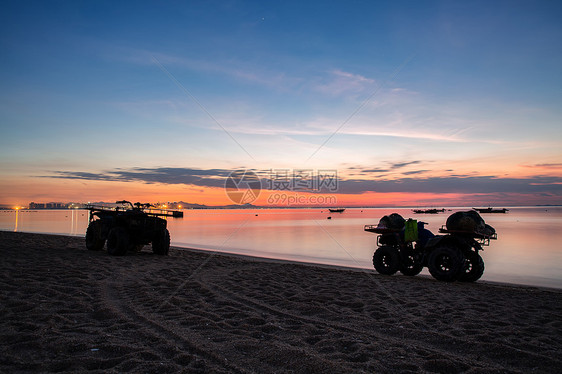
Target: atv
[
  {"x": 408, "y": 247},
  {"x": 128, "y": 227}
]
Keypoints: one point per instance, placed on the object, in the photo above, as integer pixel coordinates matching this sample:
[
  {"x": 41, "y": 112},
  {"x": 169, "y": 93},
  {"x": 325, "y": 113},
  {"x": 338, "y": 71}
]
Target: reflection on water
[
  {"x": 66, "y": 222},
  {"x": 527, "y": 251}
]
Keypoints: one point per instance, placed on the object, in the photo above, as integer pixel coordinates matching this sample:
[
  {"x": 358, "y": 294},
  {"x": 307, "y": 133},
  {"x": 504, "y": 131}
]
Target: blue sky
[{"x": 464, "y": 90}]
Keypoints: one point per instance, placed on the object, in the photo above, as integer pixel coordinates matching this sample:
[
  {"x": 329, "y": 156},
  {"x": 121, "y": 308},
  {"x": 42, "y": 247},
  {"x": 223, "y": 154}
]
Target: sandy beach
[{"x": 67, "y": 309}]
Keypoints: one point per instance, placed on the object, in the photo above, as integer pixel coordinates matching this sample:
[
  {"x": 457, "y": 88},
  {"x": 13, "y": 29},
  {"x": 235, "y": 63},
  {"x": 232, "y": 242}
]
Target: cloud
[
  {"x": 466, "y": 185},
  {"x": 403, "y": 132},
  {"x": 165, "y": 175},
  {"x": 239, "y": 70},
  {"x": 375, "y": 171},
  {"x": 399, "y": 165},
  {"x": 216, "y": 178},
  {"x": 392, "y": 167},
  {"x": 397, "y": 117},
  {"x": 382, "y": 124},
  {"x": 415, "y": 172},
  {"x": 340, "y": 82},
  {"x": 548, "y": 166}
]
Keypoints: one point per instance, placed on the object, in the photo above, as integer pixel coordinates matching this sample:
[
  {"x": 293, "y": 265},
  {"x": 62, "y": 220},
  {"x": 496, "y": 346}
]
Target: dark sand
[{"x": 66, "y": 309}]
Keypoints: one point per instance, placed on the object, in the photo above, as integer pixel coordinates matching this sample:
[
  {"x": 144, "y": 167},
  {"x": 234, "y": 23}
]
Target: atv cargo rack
[
  {"x": 481, "y": 238},
  {"x": 145, "y": 209},
  {"x": 165, "y": 213},
  {"x": 381, "y": 229}
]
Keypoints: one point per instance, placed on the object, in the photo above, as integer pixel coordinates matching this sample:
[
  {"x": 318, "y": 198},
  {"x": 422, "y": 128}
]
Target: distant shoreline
[{"x": 234, "y": 207}]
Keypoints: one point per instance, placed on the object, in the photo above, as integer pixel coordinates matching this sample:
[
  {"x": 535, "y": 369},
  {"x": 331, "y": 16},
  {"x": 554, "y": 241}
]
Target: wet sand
[{"x": 66, "y": 309}]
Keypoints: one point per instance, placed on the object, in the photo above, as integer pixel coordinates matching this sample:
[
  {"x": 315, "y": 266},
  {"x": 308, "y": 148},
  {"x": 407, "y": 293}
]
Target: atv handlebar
[{"x": 137, "y": 207}]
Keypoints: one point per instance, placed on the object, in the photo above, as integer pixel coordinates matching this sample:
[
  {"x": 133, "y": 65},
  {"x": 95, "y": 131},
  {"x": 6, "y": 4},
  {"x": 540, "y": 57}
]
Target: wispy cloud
[
  {"x": 392, "y": 167},
  {"x": 335, "y": 82},
  {"x": 398, "y": 165},
  {"x": 465, "y": 185},
  {"x": 217, "y": 177},
  {"x": 340, "y": 82},
  {"x": 396, "y": 112},
  {"x": 164, "y": 175},
  {"x": 415, "y": 172},
  {"x": 547, "y": 166},
  {"x": 375, "y": 127},
  {"x": 238, "y": 70}
]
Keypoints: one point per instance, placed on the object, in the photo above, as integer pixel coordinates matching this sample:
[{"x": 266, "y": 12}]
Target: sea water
[{"x": 528, "y": 249}]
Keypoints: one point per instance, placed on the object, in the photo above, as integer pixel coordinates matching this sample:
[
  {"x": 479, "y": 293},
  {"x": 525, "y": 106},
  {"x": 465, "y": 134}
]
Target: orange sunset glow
[{"x": 425, "y": 105}]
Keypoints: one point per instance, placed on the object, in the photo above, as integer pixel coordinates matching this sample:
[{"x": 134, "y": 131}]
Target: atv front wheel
[
  {"x": 473, "y": 268},
  {"x": 410, "y": 266},
  {"x": 445, "y": 263},
  {"x": 386, "y": 260},
  {"x": 94, "y": 239},
  {"x": 117, "y": 241},
  {"x": 161, "y": 242}
]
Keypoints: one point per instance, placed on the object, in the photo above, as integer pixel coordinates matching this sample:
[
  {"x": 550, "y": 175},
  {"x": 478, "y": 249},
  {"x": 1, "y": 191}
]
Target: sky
[{"x": 407, "y": 103}]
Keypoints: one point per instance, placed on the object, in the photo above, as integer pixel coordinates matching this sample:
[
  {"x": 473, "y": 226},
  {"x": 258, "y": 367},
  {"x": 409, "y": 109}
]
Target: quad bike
[
  {"x": 410, "y": 247},
  {"x": 129, "y": 227}
]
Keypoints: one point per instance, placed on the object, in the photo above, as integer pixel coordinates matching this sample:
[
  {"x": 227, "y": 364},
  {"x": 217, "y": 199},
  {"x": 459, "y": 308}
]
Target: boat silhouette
[
  {"x": 336, "y": 210},
  {"x": 491, "y": 210}
]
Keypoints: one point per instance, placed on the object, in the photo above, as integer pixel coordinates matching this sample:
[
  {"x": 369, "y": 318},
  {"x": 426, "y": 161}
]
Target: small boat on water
[
  {"x": 336, "y": 210},
  {"x": 490, "y": 210},
  {"x": 428, "y": 211}
]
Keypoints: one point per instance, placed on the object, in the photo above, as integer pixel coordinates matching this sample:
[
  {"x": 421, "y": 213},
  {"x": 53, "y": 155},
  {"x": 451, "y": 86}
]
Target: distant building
[{"x": 57, "y": 205}]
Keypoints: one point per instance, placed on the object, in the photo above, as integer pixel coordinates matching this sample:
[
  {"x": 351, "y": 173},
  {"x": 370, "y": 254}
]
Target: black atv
[
  {"x": 128, "y": 227},
  {"x": 408, "y": 247}
]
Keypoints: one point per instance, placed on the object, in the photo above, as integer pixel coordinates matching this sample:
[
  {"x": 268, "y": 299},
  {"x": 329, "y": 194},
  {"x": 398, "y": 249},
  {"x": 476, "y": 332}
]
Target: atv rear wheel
[
  {"x": 94, "y": 239},
  {"x": 117, "y": 241},
  {"x": 473, "y": 267},
  {"x": 409, "y": 266},
  {"x": 386, "y": 260},
  {"x": 445, "y": 263},
  {"x": 161, "y": 242}
]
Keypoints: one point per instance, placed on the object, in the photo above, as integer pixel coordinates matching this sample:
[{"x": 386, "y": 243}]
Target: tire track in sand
[
  {"x": 426, "y": 343},
  {"x": 169, "y": 342}
]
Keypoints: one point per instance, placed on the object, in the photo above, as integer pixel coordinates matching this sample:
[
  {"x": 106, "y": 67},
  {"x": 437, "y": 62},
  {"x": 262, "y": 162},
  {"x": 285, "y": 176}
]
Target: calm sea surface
[{"x": 528, "y": 250}]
